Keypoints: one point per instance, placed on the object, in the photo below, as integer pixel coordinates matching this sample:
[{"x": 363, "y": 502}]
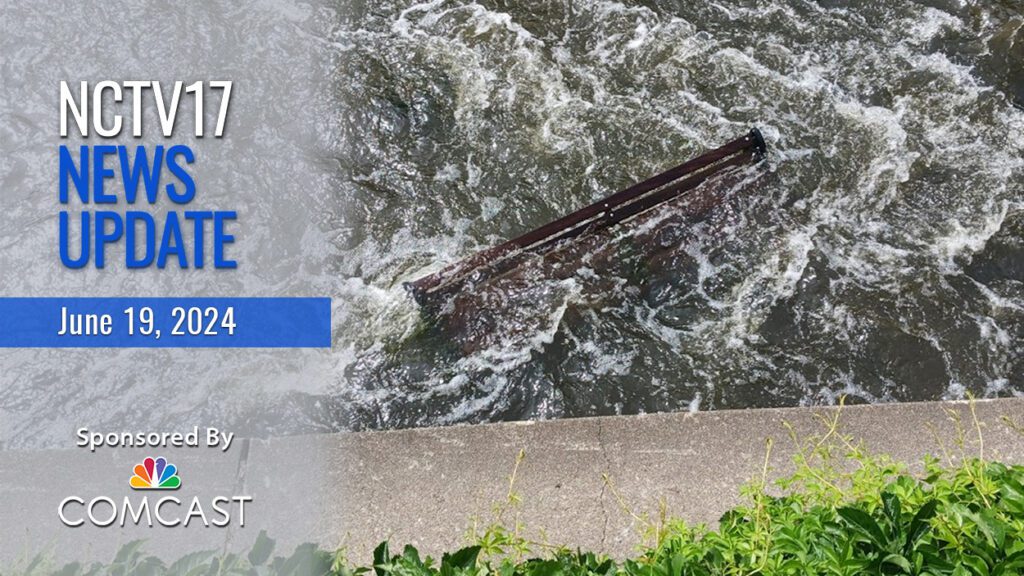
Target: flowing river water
[
  {"x": 879, "y": 258},
  {"x": 877, "y": 253}
]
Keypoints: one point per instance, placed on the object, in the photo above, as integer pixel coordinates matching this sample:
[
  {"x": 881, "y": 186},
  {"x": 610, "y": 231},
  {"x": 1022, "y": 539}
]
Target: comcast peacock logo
[
  {"x": 151, "y": 510},
  {"x": 155, "y": 474}
]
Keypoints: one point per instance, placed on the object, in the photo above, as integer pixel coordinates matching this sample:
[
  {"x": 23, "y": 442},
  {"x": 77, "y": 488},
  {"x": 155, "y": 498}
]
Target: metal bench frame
[{"x": 612, "y": 210}]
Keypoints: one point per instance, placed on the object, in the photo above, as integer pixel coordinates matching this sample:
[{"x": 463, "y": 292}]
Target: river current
[
  {"x": 877, "y": 253},
  {"x": 880, "y": 257}
]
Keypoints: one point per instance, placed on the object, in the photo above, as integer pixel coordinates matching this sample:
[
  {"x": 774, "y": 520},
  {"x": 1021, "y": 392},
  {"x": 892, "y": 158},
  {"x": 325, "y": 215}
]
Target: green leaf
[
  {"x": 411, "y": 555},
  {"x": 546, "y": 568},
  {"x": 978, "y": 566},
  {"x": 215, "y": 566},
  {"x": 129, "y": 552},
  {"x": 71, "y": 569},
  {"x": 189, "y": 562},
  {"x": 919, "y": 525},
  {"x": 381, "y": 558},
  {"x": 678, "y": 561},
  {"x": 865, "y": 524},
  {"x": 148, "y": 566},
  {"x": 990, "y": 526},
  {"x": 463, "y": 559},
  {"x": 1013, "y": 564},
  {"x": 898, "y": 561},
  {"x": 261, "y": 549},
  {"x": 891, "y": 505},
  {"x": 507, "y": 568},
  {"x": 307, "y": 559},
  {"x": 35, "y": 563}
]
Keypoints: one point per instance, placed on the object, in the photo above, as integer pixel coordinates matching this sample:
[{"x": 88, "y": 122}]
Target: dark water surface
[{"x": 877, "y": 255}]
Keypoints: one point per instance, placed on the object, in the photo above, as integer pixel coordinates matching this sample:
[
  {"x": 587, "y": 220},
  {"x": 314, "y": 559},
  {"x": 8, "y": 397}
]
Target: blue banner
[{"x": 165, "y": 322}]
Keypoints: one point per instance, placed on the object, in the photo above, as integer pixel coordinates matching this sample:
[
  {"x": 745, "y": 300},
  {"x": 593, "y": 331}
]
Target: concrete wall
[{"x": 425, "y": 486}]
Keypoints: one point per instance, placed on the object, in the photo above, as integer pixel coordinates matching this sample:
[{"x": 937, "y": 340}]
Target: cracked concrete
[
  {"x": 425, "y": 487},
  {"x": 694, "y": 463},
  {"x": 604, "y": 484}
]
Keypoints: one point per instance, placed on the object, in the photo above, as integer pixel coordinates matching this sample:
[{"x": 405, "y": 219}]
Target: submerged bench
[{"x": 610, "y": 211}]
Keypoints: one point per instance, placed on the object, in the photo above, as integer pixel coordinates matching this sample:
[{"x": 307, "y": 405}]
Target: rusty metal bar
[{"x": 607, "y": 212}]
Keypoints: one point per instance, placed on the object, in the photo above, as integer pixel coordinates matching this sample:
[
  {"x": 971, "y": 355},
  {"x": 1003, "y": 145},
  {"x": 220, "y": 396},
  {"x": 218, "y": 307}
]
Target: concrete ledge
[{"x": 425, "y": 486}]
